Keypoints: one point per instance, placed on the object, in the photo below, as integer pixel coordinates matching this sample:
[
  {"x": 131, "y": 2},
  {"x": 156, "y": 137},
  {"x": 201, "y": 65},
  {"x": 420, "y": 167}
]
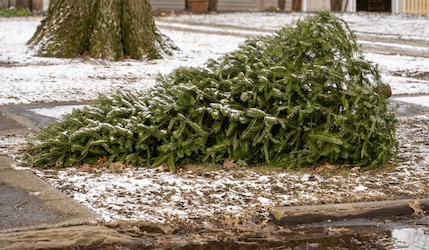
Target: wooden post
[
  {"x": 199, "y": 6},
  {"x": 297, "y": 5},
  {"x": 261, "y": 5},
  {"x": 4, "y": 4},
  {"x": 281, "y": 4},
  {"x": 212, "y": 5},
  {"x": 346, "y": 5},
  {"x": 37, "y": 6},
  {"x": 22, "y": 3},
  {"x": 336, "y": 5}
]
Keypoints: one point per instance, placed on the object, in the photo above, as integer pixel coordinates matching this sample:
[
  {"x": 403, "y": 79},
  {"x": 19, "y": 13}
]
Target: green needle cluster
[{"x": 302, "y": 97}]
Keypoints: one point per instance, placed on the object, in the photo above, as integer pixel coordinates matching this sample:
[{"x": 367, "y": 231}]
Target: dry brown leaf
[
  {"x": 336, "y": 230},
  {"x": 417, "y": 207},
  {"x": 100, "y": 163},
  {"x": 91, "y": 168},
  {"x": 117, "y": 167},
  {"x": 355, "y": 169},
  {"x": 229, "y": 164},
  {"x": 330, "y": 166},
  {"x": 325, "y": 166},
  {"x": 424, "y": 187},
  {"x": 162, "y": 168},
  {"x": 265, "y": 221},
  {"x": 319, "y": 169},
  {"x": 86, "y": 168},
  {"x": 284, "y": 229},
  {"x": 114, "y": 167},
  {"x": 231, "y": 221},
  {"x": 249, "y": 225}
]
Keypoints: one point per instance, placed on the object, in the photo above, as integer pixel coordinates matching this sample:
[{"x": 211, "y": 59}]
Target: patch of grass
[{"x": 14, "y": 12}]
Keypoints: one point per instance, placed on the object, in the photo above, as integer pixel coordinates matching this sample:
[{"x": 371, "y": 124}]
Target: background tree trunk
[{"x": 107, "y": 29}]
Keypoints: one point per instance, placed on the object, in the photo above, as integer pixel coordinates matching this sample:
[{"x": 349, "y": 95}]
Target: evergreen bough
[{"x": 302, "y": 97}]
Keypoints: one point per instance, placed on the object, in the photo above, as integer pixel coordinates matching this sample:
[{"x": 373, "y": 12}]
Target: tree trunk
[{"x": 106, "y": 29}]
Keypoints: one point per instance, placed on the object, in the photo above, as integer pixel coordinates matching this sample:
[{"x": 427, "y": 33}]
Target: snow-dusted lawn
[{"x": 196, "y": 195}]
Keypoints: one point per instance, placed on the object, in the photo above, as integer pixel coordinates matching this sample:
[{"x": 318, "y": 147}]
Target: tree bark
[{"x": 106, "y": 29}]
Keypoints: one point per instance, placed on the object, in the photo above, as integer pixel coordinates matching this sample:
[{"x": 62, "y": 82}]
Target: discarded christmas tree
[
  {"x": 302, "y": 97},
  {"x": 106, "y": 29}
]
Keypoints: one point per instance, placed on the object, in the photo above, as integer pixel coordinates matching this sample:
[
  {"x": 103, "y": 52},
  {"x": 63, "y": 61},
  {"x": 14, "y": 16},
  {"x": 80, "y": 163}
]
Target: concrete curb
[
  {"x": 35, "y": 215},
  {"x": 377, "y": 209},
  {"x": 22, "y": 118},
  {"x": 28, "y": 203},
  {"x": 76, "y": 237},
  {"x": 14, "y": 122}
]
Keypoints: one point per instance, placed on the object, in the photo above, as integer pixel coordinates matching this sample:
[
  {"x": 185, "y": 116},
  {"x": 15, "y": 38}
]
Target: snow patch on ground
[
  {"x": 416, "y": 100},
  {"x": 57, "y": 111},
  {"x": 29, "y": 79}
]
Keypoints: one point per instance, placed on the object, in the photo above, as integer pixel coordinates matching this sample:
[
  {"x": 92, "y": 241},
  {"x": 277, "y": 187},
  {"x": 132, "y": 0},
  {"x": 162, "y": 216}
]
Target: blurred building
[
  {"x": 388, "y": 6},
  {"x": 36, "y": 6}
]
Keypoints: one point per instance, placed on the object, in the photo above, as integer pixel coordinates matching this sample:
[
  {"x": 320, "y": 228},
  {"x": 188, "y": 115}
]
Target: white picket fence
[{"x": 416, "y": 6}]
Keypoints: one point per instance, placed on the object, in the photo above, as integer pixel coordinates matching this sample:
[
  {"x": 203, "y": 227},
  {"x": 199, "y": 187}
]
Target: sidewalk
[
  {"x": 35, "y": 215},
  {"x": 27, "y": 202}
]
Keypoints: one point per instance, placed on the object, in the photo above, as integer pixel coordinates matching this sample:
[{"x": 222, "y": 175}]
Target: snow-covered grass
[
  {"x": 29, "y": 79},
  {"x": 196, "y": 195}
]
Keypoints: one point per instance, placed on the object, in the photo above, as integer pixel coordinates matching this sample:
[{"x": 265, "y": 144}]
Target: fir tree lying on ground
[{"x": 302, "y": 97}]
